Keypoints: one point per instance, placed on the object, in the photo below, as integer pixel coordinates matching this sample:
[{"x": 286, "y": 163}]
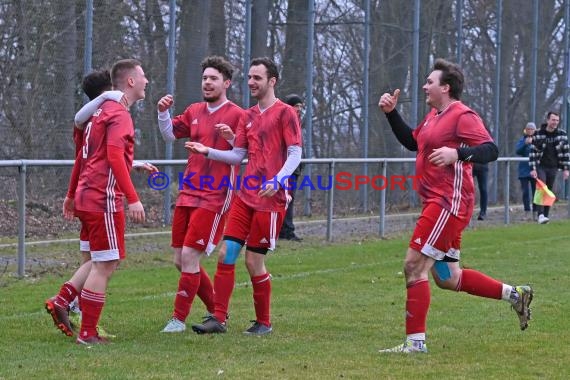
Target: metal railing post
[
  {"x": 507, "y": 189},
  {"x": 331, "y": 202},
  {"x": 382, "y": 227},
  {"x": 22, "y": 220}
]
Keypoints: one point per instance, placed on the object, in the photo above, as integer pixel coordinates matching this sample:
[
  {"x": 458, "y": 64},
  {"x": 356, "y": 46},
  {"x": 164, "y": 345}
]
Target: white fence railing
[{"x": 22, "y": 166}]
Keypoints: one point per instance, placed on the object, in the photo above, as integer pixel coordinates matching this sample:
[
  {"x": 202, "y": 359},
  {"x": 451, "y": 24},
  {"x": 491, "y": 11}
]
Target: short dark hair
[
  {"x": 552, "y": 113},
  {"x": 120, "y": 69},
  {"x": 220, "y": 64},
  {"x": 452, "y": 75},
  {"x": 272, "y": 71},
  {"x": 95, "y": 83}
]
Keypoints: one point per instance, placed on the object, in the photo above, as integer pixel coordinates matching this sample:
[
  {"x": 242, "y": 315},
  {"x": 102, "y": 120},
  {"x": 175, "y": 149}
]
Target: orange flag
[{"x": 543, "y": 196}]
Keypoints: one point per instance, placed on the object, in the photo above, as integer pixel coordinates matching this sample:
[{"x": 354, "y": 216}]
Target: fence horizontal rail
[{"x": 23, "y": 164}]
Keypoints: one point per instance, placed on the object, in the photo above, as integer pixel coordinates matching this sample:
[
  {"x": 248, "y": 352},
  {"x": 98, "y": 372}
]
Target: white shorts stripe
[
  {"x": 211, "y": 246},
  {"x": 273, "y": 230},
  {"x": 111, "y": 231},
  {"x": 439, "y": 224},
  {"x": 229, "y": 193}
]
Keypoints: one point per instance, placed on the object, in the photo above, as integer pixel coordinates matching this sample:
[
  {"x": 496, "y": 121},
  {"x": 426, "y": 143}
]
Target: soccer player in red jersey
[
  {"x": 106, "y": 158},
  {"x": 270, "y": 135},
  {"x": 96, "y": 86},
  {"x": 205, "y": 196},
  {"x": 449, "y": 139}
]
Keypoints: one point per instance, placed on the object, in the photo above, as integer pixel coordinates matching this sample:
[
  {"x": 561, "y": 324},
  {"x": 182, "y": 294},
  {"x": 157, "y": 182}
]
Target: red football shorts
[
  {"x": 106, "y": 234},
  {"x": 259, "y": 228},
  {"x": 438, "y": 233},
  {"x": 197, "y": 228}
]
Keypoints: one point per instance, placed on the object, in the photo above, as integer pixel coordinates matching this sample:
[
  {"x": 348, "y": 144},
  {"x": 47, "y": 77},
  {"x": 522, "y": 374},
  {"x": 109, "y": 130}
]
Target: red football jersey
[
  {"x": 207, "y": 183},
  {"x": 266, "y": 137},
  {"x": 97, "y": 189},
  {"x": 450, "y": 186}
]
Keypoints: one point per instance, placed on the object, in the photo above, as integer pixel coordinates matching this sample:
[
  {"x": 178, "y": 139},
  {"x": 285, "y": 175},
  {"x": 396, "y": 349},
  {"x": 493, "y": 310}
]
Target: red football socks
[
  {"x": 224, "y": 281},
  {"x": 262, "y": 298},
  {"x": 187, "y": 288},
  {"x": 417, "y": 306},
  {"x": 92, "y": 305},
  {"x": 479, "y": 284},
  {"x": 66, "y": 295},
  {"x": 206, "y": 290}
]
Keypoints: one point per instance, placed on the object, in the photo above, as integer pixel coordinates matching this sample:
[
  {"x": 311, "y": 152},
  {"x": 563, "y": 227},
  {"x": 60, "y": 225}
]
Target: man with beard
[
  {"x": 206, "y": 193},
  {"x": 270, "y": 135}
]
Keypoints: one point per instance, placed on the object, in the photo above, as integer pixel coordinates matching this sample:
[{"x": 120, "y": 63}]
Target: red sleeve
[
  {"x": 181, "y": 124},
  {"x": 116, "y": 157},
  {"x": 471, "y": 130},
  {"x": 74, "y": 179},
  {"x": 241, "y": 136},
  {"x": 291, "y": 128}
]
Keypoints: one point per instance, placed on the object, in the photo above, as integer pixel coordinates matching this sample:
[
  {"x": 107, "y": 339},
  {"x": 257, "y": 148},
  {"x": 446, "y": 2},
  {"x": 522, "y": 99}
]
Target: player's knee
[
  {"x": 232, "y": 250},
  {"x": 444, "y": 276},
  {"x": 255, "y": 260}
]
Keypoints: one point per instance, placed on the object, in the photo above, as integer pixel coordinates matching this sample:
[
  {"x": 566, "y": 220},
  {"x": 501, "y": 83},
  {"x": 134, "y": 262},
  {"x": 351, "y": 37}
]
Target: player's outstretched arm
[
  {"x": 144, "y": 166},
  {"x": 402, "y": 131},
  {"x": 232, "y": 157},
  {"x": 89, "y": 109}
]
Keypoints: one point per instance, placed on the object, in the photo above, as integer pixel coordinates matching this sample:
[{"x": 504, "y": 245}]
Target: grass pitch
[{"x": 333, "y": 307}]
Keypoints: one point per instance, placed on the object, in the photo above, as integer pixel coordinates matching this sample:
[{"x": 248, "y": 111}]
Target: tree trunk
[
  {"x": 295, "y": 54},
  {"x": 192, "y": 48}
]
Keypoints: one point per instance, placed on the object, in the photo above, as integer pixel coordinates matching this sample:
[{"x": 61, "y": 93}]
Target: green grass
[{"x": 333, "y": 307}]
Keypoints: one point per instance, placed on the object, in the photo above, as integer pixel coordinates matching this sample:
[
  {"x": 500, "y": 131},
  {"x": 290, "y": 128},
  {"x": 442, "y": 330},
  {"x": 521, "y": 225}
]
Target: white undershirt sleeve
[
  {"x": 233, "y": 157},
  {"x": 165, "y": 126},
  {"x": 294, "y": 153},
  {"x": 89, "y": 109}
]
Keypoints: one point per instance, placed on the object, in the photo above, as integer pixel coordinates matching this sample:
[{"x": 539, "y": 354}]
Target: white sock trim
[
  {"x": 506, "y": 295},
  {"x": 417, "y": 336}
]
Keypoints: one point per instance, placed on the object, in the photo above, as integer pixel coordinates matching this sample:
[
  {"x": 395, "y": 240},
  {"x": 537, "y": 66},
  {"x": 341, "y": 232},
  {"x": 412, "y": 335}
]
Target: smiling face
[
  {"x": 552, "y": 122},
  {"x": 214, "y": 86},
  {"x": 437, "y": 94},
  {"x": 259, "y": 84},
  {"x": 138, "y": 82}
]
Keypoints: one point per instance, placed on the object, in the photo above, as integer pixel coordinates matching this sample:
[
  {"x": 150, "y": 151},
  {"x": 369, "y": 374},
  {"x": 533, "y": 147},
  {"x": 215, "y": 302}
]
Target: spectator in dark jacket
[{"x": 528, "y": 184}]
